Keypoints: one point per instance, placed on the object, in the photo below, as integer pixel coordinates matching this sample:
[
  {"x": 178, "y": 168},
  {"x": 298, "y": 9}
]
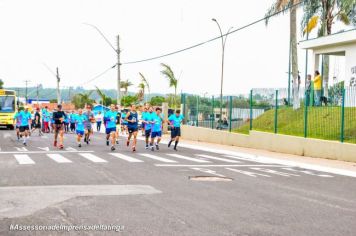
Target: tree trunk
[{"x": 293, "y": 38}]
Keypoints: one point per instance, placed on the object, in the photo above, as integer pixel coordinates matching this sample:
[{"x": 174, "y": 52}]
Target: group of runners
[{"x": 115, "y": 121}]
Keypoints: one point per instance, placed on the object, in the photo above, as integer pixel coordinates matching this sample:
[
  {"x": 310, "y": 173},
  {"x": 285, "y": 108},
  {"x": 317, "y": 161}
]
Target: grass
[{"x": 323, "y": 123}]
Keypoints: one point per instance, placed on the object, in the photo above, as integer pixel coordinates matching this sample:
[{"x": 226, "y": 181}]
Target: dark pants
[
  {"x": 72, "y": 127},
  {"x": 98, "y": 125}
]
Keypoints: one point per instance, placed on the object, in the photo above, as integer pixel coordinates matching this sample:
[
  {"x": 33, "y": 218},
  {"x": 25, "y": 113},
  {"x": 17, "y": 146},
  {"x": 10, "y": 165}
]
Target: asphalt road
[{"x": 152, "y": 193}]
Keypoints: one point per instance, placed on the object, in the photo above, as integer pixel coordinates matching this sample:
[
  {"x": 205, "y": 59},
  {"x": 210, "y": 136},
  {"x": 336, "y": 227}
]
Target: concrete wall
[{"x": 274, "y": 142}]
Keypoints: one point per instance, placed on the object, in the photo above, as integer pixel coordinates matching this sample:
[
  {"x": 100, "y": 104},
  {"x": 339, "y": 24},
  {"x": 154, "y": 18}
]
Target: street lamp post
[
  {"x": 117, "y": 51},
  {"x": 223, "y": 43}
]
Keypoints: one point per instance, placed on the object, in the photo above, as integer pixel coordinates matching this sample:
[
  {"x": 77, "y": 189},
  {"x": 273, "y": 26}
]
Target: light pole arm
[{"x": 101, "y": 33}]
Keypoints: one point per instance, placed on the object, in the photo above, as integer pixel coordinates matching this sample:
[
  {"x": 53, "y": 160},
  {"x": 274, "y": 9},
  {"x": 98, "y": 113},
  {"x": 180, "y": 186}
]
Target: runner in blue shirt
[
  {"x": 143, "y": 114},
  {"x": 110, "y": 126},
  {"x": 79, "y": 120},
  {"x": 25, "y": 117},
  {"x": 158, "y": 120},
  {"x": 132, "y": 119},
  {"x": 17, "y": 123},
  {"x": 147, "y": 121},
  {"x": 175, "y": 121},
  {"x": 124, "y": 122},
  {"x": 72, "y": 121}
]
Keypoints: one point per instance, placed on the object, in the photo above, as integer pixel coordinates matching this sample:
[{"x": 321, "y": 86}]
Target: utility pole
[
  {"x": 58, "y": 91},
  {"x": 118, "y": 71},
  {"x": 26, "y": 98}
]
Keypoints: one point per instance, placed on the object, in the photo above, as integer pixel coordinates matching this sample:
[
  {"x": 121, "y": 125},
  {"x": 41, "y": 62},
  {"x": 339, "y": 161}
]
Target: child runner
[
  {"x": 17, "y": 123},
  {"x": 118, "y": 121},
  {"x": 72, "y": 121},
  {"x": 88, "y": 127},
  {"x": 132, "y": 119},
  {"x": 79, "y": 120},
  {"x": 37, "y": 122},
  {"x": 147, "y": 121},
  {"x": 110, "y": 126},
  {"x": 158, "y": 120},
  {"x": 175, "y": 121}
]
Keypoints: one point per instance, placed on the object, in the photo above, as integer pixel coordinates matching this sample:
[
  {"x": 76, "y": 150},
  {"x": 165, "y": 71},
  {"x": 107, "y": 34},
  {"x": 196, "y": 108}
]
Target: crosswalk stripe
[
  {"x": 188, "y": 158},
  {"x": 218, "y": 158},
  {"x": 24, "y": 159},
  {"x": 59, "y": 158},
  {"x": 126, "y": 158},
  {"x": 157, "y": 158},
  {"x": 92, "y": 157}
]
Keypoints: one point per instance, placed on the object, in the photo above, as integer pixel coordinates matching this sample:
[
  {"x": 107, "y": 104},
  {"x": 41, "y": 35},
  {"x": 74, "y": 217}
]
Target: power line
[
  {"x": 99, "y": 75},
  {"x": 213, "y": 39}
]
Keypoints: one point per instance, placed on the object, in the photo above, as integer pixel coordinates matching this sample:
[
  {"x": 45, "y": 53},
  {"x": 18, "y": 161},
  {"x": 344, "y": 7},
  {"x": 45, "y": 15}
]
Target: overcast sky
[{"x": 52, "y": 32}]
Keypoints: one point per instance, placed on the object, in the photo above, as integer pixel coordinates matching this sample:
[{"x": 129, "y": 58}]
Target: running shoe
[
  {"x": 24, "y": 143},
  {"x": 157, "y": 147},
  {"x": 128, "y": 143},
  {"x": 152, "y": 148},
  {"x": 146, "y": 147},
  {"x": 79, "y": 145},
  {"x": 61, "y": 146},
  {"x": 107, "y": 142},
  {"x": 55, "y": 143},
  {"x": 175, "y": 149},
  {"x": 134, "y": 149},
  {"x": 112, "y": 148},
  {"x": 117, "y": 141},
  {"x": 169, "y": 144}
]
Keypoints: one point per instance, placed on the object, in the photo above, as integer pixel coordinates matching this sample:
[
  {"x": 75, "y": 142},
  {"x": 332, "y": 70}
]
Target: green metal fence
[{"x": 268, "y": 110}]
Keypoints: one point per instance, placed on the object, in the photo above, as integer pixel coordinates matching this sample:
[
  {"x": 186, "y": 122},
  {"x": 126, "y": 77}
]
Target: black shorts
[
  {"x": 147, "y": 133},
  {"x": 132, "y": 129},
  {"x": 58, "y": 127},
  {"x": 37, "y": 126},
  {"x": 24, "y": 128},
  {"x": 175, "y": 132}
]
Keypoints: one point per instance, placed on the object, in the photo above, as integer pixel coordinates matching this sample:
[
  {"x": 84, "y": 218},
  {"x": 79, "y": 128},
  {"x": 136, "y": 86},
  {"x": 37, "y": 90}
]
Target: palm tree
[
  {"x": 102, "y": 96},
  {"x": 1, "y": 84},
  {"x": 125, "y": 85},
  {"x": 280, "y": 6},
  {"x": 141, "y": 92},
  {"x": 325, "y": 12},
  {"x": 173, "y": 82},
  {"x": 145, "y": 83}
]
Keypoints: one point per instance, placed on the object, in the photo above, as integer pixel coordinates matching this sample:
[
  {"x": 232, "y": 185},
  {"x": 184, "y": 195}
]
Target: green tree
[
  {"x": 1, "y": 84},
  {"x": 141, "y": 92},
  {"x": 125, "y": 85},
  {"x": 128, "y": 100},
  {"x": 173, "y": 82},
  {"x": 278, "y": 6},
  {"x": 327, "y": 12},
  {"x": 157, "y": 100},
  {"x": 81, "y": 99},
  {"x": 53, "y": 100},
  {"x": 173, "y": 100}
]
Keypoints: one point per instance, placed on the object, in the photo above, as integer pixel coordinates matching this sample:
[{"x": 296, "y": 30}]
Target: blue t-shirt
[
  {"x": 79, "y": 121},
  {"x": 24, "y": 117},
  {"x": 148, "y": 117},
  {"x": 157, "y": 126},
  {"x": 72, "y": 117},
  {"x": 176, "y": 120},
  {"x": 45, "y": 116},
  {"x": 134, "y": 117},
  {"x": 17, "y": 117},
  {"x": 123, "y": 116},
  {"x": 110, "y": 119}
]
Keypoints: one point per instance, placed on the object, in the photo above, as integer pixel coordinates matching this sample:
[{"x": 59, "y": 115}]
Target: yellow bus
[{"x": 8, "y": 107}]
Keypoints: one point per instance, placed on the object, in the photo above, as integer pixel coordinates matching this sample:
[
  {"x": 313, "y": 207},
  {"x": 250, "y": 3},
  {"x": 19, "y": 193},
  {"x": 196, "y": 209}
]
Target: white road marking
[
  {"x": 218, "y": 158},
  {"x": 59, "y": 158},
  {"x": 124, "y": 157},
  {"x": 188, "y": 158},
  {"x": 157, "y": 158},
  {"x": 212, "y": 172},
  {"x": 252, "y": 174},
  {"x": 270, "y": 160},
  {"x": 21, "y": 149},
  {"x": 216, "y": 165},
  {"x": 92, "y": 157},
  {"x": 45, "y": 137},
  {"x": 24, "y": 159},
  {"x": 44, "y": 152},
  {"x": 7, "y": 135},
  {"x": 44, "y": 148},
  {"x": 309, "y": 172},
  {"x": 71, "y": 149},
  {"x": 273, "y": 172}
]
